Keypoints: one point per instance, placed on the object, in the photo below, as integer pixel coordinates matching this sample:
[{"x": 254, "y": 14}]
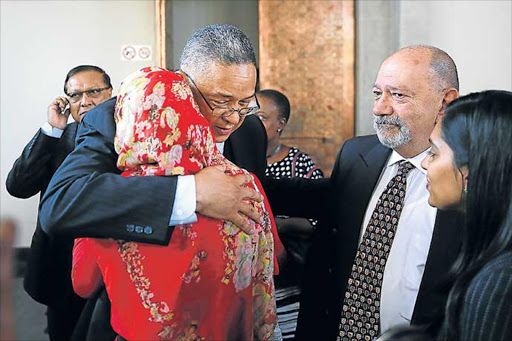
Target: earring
[{"x": 279, "y": 130}]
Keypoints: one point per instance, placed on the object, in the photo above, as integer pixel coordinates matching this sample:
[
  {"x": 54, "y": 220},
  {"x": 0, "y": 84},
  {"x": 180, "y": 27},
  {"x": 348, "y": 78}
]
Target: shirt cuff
[
  {"x": 48, "y": 130},
  {"x": 184, "y": 208}
]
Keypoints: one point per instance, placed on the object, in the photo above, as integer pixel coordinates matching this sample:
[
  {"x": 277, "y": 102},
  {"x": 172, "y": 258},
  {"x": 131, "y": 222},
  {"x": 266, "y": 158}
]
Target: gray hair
[
  {"x": 224, "y": 44},
  {"x": 442, "y": 67}
]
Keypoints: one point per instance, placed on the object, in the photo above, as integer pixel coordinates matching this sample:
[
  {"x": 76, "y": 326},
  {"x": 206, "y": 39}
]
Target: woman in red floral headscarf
[{"x": 213, "y": 281}]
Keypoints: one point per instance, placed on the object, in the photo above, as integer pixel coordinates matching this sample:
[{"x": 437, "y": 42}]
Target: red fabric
[{"x": 213, "y": 281}]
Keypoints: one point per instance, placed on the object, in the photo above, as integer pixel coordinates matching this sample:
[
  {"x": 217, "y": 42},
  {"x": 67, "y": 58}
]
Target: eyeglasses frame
[
  {"x": 230, "y": 110},
  {"x": 81, "y": 93}
]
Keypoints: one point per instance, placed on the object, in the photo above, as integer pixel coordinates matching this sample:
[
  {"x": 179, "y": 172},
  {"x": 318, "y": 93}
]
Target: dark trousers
[
  {"x": 62, "y": 321},
  {"x": 94, "y": 324}
]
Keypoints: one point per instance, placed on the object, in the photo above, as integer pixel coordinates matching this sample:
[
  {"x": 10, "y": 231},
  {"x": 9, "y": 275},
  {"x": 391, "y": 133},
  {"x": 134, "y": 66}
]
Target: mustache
[{"x": 389, "y": 120}]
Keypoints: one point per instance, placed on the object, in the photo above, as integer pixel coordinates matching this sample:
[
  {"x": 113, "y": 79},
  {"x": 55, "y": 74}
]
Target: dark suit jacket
[
  {"x": 47, "y": 276},
  {"x": 87, "y": 197},
  {"x": 341, "y": 202}
]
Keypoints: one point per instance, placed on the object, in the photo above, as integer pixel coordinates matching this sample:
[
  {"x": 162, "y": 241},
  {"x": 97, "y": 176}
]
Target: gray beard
[{"x": 402, "y": 137}]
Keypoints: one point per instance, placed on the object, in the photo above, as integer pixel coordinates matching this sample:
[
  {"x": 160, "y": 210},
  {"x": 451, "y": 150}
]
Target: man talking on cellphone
[{"x": 48, "y": 272}]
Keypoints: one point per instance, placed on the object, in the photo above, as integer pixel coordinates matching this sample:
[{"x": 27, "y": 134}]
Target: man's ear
[{"x": 450, "y": 95}]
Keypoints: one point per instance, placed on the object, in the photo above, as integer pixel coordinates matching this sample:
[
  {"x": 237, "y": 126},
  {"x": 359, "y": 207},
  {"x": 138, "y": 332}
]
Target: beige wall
[{"x": 40, "y": 42}]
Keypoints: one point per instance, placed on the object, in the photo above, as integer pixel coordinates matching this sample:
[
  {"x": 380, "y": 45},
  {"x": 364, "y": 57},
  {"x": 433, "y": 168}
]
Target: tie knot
[{"x": 404, "y": 167}]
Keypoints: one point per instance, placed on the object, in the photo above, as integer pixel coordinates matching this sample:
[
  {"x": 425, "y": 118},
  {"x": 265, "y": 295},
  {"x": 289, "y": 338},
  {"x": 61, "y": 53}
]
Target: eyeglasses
[
  {"x": 92, "y": 93},
  {"x": 226, "y": 111}
]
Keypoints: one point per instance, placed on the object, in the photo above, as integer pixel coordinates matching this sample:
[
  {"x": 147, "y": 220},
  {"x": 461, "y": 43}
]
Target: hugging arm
[{"x": 88, "y": 198}]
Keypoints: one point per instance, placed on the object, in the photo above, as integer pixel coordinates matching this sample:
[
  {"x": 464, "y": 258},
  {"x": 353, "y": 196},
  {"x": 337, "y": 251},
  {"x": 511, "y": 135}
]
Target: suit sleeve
[
  {"x": 88, "y": 198},
  {"x": 298, "y": 197},
  {"x": 486, "y": 313},
  {"x": 32, "y": 171}
]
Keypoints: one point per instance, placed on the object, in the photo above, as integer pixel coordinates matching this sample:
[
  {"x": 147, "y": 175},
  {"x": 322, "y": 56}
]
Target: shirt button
[
  {"x": 148, "y": 230},
  {"x": 138, "y": 229},
  {"x": 179, "y": 212}
]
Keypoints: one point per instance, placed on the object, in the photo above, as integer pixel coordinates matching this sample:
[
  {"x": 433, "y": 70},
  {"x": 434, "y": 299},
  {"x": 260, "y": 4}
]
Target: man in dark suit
[
  {"x": 376, "y": 268},
  {"x": 48, "y": 273},
  {"x": 88, "y": 198}
]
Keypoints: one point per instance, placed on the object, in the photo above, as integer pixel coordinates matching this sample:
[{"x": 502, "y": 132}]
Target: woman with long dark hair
[{"x": 470, "y": 168}]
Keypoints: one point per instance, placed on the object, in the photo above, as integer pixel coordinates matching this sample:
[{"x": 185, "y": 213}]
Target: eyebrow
[
  {"x": 432, "y": 143},
  {"x": 393, "y": 88},
  {"x": 231, "y": 96}
]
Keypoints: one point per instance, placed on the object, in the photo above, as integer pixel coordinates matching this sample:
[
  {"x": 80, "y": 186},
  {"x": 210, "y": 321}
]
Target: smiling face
[
  {"x": 406, "y": 104},
  {"x": 444, "y": 180},
  {"x": 225, "y": 86},
  {"x": 83, "y": 81}
]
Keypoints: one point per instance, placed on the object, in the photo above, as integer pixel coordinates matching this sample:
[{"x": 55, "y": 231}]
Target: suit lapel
[
  {"x": 228, "y": 151},
  {"x": 359, "y": 186},
  {"x": 362, "y": 186}
]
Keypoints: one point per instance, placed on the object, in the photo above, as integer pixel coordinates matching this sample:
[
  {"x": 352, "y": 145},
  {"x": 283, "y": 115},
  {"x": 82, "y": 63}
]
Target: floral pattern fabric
[{"x": 213, "y": 281}]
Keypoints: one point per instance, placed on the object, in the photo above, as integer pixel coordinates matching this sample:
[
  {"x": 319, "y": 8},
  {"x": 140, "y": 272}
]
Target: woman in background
[
  {"x": 287, "y": 162},
  {"x": 213, "y": 281},
  {"x": 469, "y": 168}
]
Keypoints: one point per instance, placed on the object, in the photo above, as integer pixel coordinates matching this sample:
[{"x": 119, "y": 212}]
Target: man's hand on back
[{"x": 221, "y": 196}]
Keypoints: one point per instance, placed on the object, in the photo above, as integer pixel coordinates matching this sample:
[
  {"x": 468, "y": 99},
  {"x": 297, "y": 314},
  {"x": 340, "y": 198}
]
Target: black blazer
[
  {"x": 47, "y": 275},
  {"x": 340, "y": 203}
]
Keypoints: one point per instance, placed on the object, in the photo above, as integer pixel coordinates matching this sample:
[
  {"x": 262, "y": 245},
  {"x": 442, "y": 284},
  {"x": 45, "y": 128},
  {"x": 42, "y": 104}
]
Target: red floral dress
[{"x": 213, "y": 281}]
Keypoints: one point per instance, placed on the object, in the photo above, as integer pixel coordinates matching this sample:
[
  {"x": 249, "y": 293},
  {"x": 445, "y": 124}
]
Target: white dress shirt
[
  {"x": 50, "y": 131},
  {"x": 408, "y": 254}
]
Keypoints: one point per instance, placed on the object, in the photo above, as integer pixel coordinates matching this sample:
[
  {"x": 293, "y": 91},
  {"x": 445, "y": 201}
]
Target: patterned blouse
[
  {"x": 213, "y": 281},
  {"x": 303, "y": 166}
]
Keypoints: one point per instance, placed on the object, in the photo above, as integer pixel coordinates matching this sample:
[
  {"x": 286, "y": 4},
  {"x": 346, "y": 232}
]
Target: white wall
[
  {"x": 477, "y": 34},
  {"x": 40, "y": 42}
]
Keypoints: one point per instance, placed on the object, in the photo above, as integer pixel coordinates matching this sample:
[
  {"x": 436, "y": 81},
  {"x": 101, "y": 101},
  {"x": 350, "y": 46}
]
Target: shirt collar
[
  {"x": 220, "y": 147},
  {"x": 416, "y": 161}
]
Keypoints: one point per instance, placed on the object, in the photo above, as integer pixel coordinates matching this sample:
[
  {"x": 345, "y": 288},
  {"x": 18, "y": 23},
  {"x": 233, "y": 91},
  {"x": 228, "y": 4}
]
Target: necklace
[{"x": 275, "y": 151}]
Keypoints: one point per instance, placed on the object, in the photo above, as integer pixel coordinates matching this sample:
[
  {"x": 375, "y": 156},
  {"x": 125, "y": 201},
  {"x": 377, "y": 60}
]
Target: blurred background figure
[
  {"x": 48, "y": 273},
  {"x": 7, "y": 230},
  {"x": 287, "y": 162},
  {"x": 469, "y": 169}
]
